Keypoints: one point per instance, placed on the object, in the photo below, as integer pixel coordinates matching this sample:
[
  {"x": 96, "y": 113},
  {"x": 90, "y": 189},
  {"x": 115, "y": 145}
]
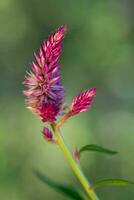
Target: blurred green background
[{"x": 97, "y": 51}]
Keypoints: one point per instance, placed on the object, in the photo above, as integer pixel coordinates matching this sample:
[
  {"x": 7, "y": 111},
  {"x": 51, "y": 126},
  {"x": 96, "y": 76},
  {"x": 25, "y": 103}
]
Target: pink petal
[{"x": 37, "y": 59}]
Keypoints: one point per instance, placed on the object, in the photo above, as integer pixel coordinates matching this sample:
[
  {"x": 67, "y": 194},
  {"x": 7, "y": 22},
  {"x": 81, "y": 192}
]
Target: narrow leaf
[
  {"x": 66, "y": 190},
  {"x": 94, "y": 147},
  {"x": 112, "y": 182}
]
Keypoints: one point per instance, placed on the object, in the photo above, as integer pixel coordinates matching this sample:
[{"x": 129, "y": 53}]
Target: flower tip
[
  {"x": 64, "y": 28},
  {"x": 92, "y": 91},
  {"x": 59, "y": 34}
]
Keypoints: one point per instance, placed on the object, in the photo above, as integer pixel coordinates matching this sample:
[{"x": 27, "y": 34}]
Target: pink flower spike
[
  {"x": 47, "y": 134},
  {"x": 44, "y": 92},
  {"x": 82, "y": 102}
]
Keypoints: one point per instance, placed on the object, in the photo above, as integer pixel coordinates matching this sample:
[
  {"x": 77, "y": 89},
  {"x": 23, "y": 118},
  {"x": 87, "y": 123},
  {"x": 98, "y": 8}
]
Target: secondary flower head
[
  {"x": 45, "y": 92},
  {"x": 82, "y": 102}
]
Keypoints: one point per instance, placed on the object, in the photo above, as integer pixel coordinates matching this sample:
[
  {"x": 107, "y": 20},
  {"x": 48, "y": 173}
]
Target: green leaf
[
  {"x": 94, "y": 147},
  {"x": 66, "y": 190},
  {"x": 112, "y": 182}
]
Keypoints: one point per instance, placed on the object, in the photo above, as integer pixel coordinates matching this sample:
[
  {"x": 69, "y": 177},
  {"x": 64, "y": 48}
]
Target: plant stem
[{"x": 75, "y": 166}]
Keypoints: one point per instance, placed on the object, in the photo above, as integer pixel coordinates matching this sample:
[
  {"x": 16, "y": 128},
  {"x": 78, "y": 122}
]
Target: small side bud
[
  {"x": 76, "y": 155},
  {"x": 47, "y": 134}
]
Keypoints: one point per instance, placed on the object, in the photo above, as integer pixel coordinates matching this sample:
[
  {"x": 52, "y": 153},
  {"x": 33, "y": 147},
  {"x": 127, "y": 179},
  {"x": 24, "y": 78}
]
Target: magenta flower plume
[
  {"x": 45, "y": 92},
  {"x": 82, "y": 102}
]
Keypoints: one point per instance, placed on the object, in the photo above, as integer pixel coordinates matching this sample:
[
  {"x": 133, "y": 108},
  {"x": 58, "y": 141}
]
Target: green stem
[{"x": 75, "y": 166}]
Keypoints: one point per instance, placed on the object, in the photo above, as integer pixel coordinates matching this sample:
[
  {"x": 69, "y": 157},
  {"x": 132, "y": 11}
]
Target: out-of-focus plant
[{"x": 46, "y": 98}]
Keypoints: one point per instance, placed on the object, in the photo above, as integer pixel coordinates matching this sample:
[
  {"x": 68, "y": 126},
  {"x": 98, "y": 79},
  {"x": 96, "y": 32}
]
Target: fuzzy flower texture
[{"x": 45, "y": 94}]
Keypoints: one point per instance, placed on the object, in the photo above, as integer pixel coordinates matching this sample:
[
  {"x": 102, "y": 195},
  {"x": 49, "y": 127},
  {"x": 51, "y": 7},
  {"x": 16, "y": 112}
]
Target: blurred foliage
[
  {"x": 98, "y": 51},
  {"x": 69, "y": 191}
]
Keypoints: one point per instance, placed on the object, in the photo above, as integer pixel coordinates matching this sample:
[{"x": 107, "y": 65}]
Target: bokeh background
[{"x": 97, "y": 51}]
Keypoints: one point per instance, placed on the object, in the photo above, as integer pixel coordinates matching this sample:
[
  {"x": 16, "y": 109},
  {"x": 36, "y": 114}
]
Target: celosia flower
[
  {"x": 45, "y": 93},
  {"x": 47, "y": 134},
  {"x": 82, "y": 102}
]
